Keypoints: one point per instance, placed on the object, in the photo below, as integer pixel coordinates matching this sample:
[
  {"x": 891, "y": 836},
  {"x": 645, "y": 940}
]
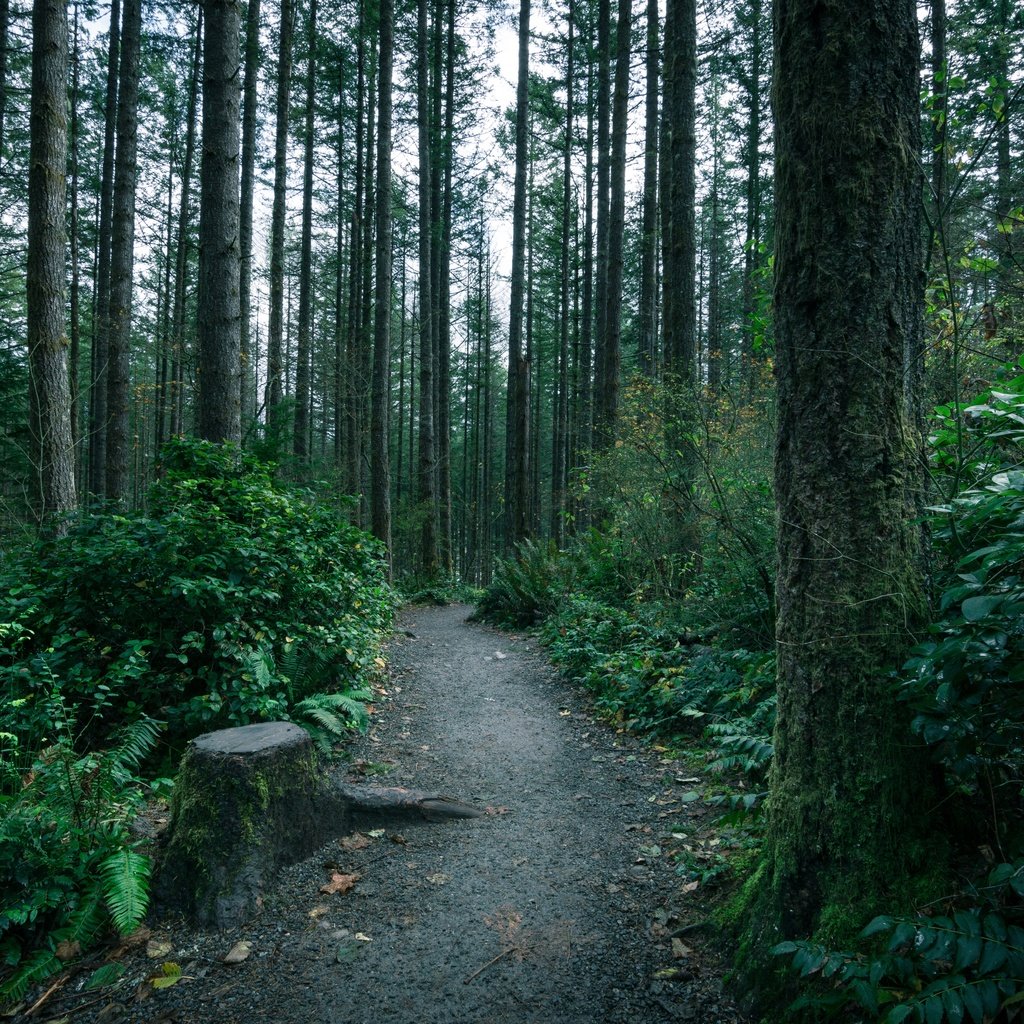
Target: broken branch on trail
[{"x": 252, "y": 800}]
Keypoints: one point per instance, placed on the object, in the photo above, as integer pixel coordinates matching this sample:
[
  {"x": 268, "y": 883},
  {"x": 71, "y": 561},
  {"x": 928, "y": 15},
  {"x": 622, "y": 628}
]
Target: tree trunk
[
  {"x": 122, "y": 257},
  {"x": 847, "y": 788},
  {"x": 52, "y": 450},
  {"x": 648, "y": 341},
  {"x": 248, "y": 358},
  {"x": 380, "y": 465},
  {"x": 679, "y": 255},
  {"x": 275, "y": 336},
  {"x": 218, "y": 334},
  {"x": 517, "y": 470},
  {"x": 301, "y": 434},
  {"x": 429, "y": 555},
  {"x": 101, "y": 304},
  {"x": 611, "y": 351},
  {"x": 177, "y": 385},
  {"x": 74, "y": 354}
]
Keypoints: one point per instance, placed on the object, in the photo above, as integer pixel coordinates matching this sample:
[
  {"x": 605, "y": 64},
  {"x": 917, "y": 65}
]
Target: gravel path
[{"x": 557, "y": 906}]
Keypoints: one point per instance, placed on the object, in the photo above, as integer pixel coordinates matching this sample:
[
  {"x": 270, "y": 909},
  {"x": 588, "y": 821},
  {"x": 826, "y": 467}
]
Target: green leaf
[
  {"x": 105, "y": 975},
  {"x": 170, "y": 975},
  {"x": 882, "y": 923},
  {"x": 976, "y": 608}
]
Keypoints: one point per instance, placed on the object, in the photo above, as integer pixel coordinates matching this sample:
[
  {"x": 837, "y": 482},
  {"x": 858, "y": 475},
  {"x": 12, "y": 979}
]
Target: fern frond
[
  {"x": 125, "y": 880},
  {"x": 36, "y": 967}
]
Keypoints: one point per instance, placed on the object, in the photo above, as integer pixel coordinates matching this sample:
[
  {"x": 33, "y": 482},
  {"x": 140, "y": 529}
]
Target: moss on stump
[{"x": 248, "y": 802}]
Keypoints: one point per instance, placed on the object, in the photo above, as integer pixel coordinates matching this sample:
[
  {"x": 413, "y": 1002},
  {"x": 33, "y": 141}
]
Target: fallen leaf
[
  {"x": 361, "y": 937},
  {"x": 500, "y": 656},
  {"x": 137, "y": 937},
  {"x": 438, "y": 878},
  {"x": 377, "y": 833},
  {"x": 691, "y": 886},
  {"x": 670, "y": 974},
  {"x": 680, "y": 951},
  {"x": 238, "y": 953},
  {"x": 399, "y": 839},
  {"x": 67, "y": 950},
  {"x": 565, "y": 712},
  {"x": 170, "y": 974},
  {"x": 158, "y": 948},
  {"x": 318, "y": 912},
  {"x": 492, "y": 811},
  {"x": 356, "y": 841},
  {"x": 339, "y": 883}
]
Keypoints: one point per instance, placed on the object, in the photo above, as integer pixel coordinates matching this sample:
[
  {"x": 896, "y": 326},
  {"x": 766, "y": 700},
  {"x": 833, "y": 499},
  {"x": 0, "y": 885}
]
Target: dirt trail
[{"x": 555, "y": 907}]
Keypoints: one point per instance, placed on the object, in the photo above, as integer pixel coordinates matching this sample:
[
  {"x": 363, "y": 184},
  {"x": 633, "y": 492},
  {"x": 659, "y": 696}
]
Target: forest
[{"x": 686, "y": 335}]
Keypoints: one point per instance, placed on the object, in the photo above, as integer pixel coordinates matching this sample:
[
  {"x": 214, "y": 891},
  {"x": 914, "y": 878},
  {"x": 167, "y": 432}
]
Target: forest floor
[{"x": 560, "y": 904}]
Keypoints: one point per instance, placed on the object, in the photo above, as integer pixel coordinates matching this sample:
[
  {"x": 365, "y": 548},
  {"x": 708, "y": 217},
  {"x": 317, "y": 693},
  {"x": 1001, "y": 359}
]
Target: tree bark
[
  {"x": 847, "y": 788},
  {"x": 101, "y": 305},
  {"x": 52, "y": 449},
  {"x": 429, "y": 555},
  {"x": 301, "y": 435},
  {"x": 249, "y": 359},
  {"x": 649, "y": 228},
  {"x": 275, "y": 336},
  {"x": 517, "y": 471},
  {"x": 122, "y": 257},
  {"x": 608, "y": 396},
  {"x": 218, "y": 312},
  {"x": 380, "y": 464},
  {"x": 177, "y": 383}
]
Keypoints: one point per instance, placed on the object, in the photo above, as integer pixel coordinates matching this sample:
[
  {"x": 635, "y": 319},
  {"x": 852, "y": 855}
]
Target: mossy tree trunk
[{"x": 846, "y": 789}]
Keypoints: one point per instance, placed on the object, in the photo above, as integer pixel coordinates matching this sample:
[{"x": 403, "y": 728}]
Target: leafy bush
[
  {"x": 646, "y": 671},
  {"x": 965, "y": 965},
  {"x": 529, "y": 585},
  {"x": 189, "y": 612},
  {"x": 69, "y": 864}
]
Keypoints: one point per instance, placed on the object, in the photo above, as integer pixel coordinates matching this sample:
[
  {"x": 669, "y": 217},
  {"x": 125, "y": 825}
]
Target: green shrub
[
  {"x": 69, "y": 864},
  {"x": 188, "y": 612},
  {"x": 528, "y": 586}
]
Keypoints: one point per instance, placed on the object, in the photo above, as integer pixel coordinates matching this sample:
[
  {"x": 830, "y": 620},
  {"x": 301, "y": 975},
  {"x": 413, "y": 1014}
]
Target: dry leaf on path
[
  {"x": 493, "y": 811},
  {"x": 438, "y": 878},
  {"x": 339, "y": 883},
  {"x": 67, "y": 950},
  {"x": 158, "y": 948},
  {"x": 356, "y": 841},
  {"x": 238, "y": 953},
  {"x": 680, "y": 951},
  {"x": 319, "y": 911}
]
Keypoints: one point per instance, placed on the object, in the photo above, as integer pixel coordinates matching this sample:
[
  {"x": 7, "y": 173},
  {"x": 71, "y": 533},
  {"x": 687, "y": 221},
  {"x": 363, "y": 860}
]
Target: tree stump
[{"x": 247, "y": 803}]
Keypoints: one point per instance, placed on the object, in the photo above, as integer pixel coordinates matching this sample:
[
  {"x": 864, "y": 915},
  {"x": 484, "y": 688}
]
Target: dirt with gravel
[{"x": 560, "y": 904}]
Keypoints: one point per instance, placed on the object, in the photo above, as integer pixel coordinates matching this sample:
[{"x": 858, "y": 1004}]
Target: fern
[
  {"x": 34, "y": 968},
  {"x": 125, "y": 878},
  {"x": 328, "y": 717},
  {"x": 740, "y": 750}
]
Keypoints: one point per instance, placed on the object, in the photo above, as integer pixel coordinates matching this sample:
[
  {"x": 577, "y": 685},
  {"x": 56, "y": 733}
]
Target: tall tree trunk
[
  {"x": 301, "y": 435},
  {"x": 122, "y": 257},
  {"x": 517, "y": 469},
  {"x": 608, "y": 397},
  {"x": 847, "y": 790},
  {"x": 444, "y": 331},
  {"x": 5, "y": 23},
  {"x": 752, "y": 236},
  {"x": 380, "y": 429},
  {"x": 218, "y": 314},
  {"x": 648, "y": 360},
  {"x": 52, "y": 450},
  {"x": 275, "y": 335},
  {"x": 601, "y": 274},
  {"x": 75, "y": 351},
  {"x": 560, "y": 431},
  {"x": 356, "y": 309},
  {"x": 249, "y": 359},
  {"x": 679, "y": 249},
  {"x": 429, "y": 555},
  {"x": 177, "y": 385},
  {"x": 101, "y": 307}
]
